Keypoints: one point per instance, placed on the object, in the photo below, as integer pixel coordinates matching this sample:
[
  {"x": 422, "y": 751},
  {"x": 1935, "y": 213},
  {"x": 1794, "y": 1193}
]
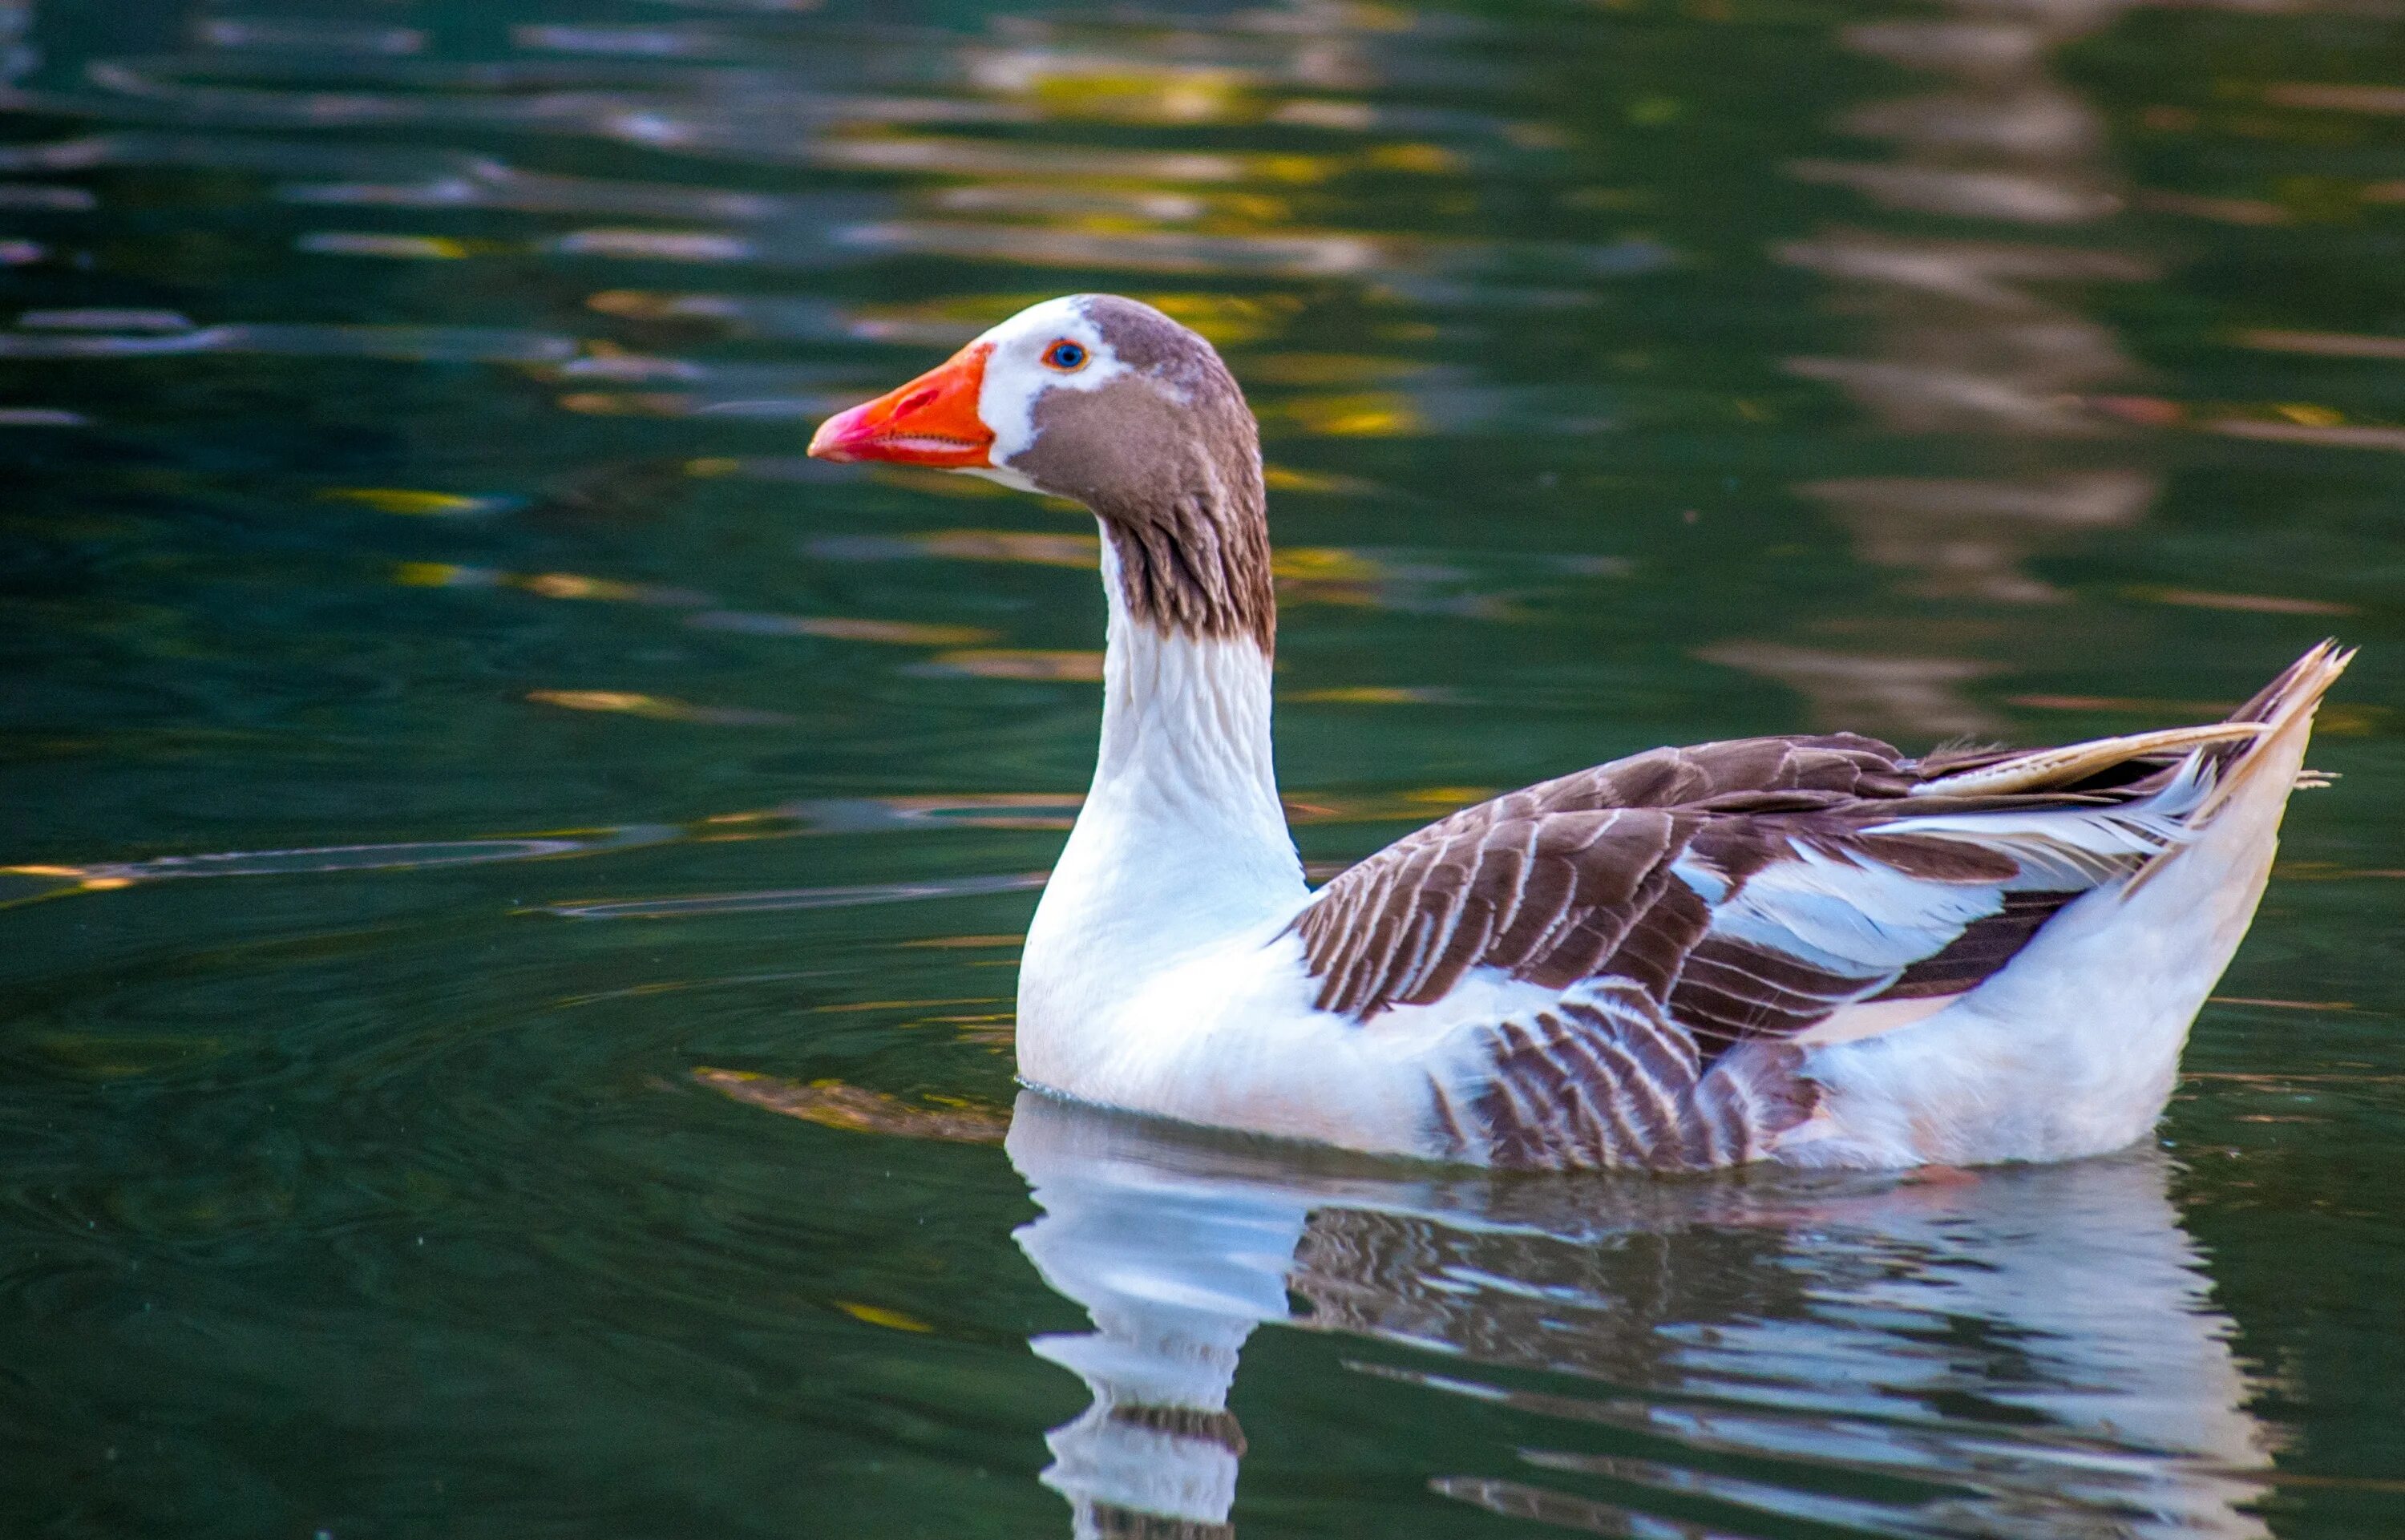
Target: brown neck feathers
[{"x": 1184, "y": 566}]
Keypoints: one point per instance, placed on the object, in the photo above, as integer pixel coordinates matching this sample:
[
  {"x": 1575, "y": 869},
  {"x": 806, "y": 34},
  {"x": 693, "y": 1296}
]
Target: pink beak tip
[{"x": 829, "y": 442}]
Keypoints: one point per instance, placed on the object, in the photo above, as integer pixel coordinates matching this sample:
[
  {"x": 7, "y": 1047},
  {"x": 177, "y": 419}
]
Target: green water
[{"x": 515, "y": 874}]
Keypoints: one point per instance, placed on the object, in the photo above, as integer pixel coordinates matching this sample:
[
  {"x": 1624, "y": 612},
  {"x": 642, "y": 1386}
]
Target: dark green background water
[{"x": 443, "y": 714}]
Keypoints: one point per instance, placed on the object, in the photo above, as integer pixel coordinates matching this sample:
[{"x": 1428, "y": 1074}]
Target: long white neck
[{"x": 1182, "y": 842}]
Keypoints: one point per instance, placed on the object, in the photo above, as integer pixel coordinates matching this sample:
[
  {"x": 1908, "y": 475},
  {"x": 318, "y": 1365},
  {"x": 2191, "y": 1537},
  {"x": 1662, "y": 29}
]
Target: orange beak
[{"x": 932, "y": 420}]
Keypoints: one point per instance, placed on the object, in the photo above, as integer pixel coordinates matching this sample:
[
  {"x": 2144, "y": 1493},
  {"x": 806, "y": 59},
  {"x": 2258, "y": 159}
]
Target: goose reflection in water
[{"x": 2022, "y": 1352}]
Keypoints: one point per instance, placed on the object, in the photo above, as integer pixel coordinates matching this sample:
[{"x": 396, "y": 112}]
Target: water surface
[{"x": 514, "y": 875}]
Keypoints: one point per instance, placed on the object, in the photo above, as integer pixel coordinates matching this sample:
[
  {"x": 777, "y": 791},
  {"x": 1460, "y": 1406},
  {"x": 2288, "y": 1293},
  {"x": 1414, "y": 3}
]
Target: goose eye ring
[{"x": 1065, "y": 356}]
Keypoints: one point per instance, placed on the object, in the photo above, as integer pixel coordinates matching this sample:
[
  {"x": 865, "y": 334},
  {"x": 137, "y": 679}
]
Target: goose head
[{"x": 1109, "y": 402}]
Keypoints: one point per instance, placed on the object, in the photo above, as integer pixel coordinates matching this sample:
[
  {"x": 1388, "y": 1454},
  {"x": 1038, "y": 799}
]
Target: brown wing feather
[
  {"x": 1677, "y": 1053},
  {"x": 1570, "y": 877},
  {"x": 1986, "y": 945},
  {"x": 1682, "y": 1060}
]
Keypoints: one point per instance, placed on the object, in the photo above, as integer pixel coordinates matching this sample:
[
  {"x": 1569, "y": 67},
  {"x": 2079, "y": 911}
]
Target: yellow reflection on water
[
  {"x": 1369, "y": 414},
  {"x": 1281, "y": 478},
  {"x": 1380, "y": 695},
  {"x": 832, "y": 1104},
  {"x": 1020, "y": 663},
  {"x": 658, "y": 708},
  {"x": 878, "y": 1315},
  {"x": 1324, "y": 563},
  {"x": 1121, "y": 91},
  {"x": 410, "y": 503}
]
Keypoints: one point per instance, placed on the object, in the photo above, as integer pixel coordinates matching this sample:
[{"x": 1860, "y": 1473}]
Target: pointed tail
[
  {"x": 2250, "y": 779},
  {"x": 2286, "y": 708}
]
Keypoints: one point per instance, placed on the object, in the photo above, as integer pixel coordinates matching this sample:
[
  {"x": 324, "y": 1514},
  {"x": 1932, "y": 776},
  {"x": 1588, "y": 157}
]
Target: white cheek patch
[{"x": 1016, "y": 376}]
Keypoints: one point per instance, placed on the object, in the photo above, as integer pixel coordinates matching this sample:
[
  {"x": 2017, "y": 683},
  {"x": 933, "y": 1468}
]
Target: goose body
[{"x": 1810, "y": 950}]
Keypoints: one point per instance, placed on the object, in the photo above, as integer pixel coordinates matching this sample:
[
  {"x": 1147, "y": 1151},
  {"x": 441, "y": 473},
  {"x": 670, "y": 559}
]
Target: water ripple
[
  {"x": 704, "y": 904},
  {"x": 418, "y": 344},
  {"x": 440, "y": 517}
]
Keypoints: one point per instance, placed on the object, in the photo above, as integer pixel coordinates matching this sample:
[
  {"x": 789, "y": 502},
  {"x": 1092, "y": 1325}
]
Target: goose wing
[{"x": 1688, "y": 904}]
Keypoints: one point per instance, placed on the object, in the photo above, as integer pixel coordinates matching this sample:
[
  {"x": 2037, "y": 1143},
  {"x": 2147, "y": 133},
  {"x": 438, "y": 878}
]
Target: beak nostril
[{"x": 915, "y": 401}]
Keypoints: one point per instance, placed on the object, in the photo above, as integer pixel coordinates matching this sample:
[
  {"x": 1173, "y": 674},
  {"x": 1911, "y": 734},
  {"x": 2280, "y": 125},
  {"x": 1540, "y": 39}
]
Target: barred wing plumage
[{"x": 1694, "y": 912}]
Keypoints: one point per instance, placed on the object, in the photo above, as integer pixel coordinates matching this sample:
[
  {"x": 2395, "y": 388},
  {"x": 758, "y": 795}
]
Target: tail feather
[
  {"x": 2286, "y": 708},
  {"x": 2073, "y": 1047},
  {"x": 2114, "y": 765},
  {"x": 2042, "y": 770},
  {"x": 2072, "y": 844},
  {"x": 2312, "y": 673},
  {"x": 2025, "y": 804}
]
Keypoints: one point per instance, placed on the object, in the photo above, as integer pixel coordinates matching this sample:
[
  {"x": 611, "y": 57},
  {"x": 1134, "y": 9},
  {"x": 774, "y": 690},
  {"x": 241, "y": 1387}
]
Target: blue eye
[{"x": 1065, "y": 356}]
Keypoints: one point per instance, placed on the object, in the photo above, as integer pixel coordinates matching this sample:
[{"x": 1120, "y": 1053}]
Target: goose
[{"x": 1815, "y": 951}]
